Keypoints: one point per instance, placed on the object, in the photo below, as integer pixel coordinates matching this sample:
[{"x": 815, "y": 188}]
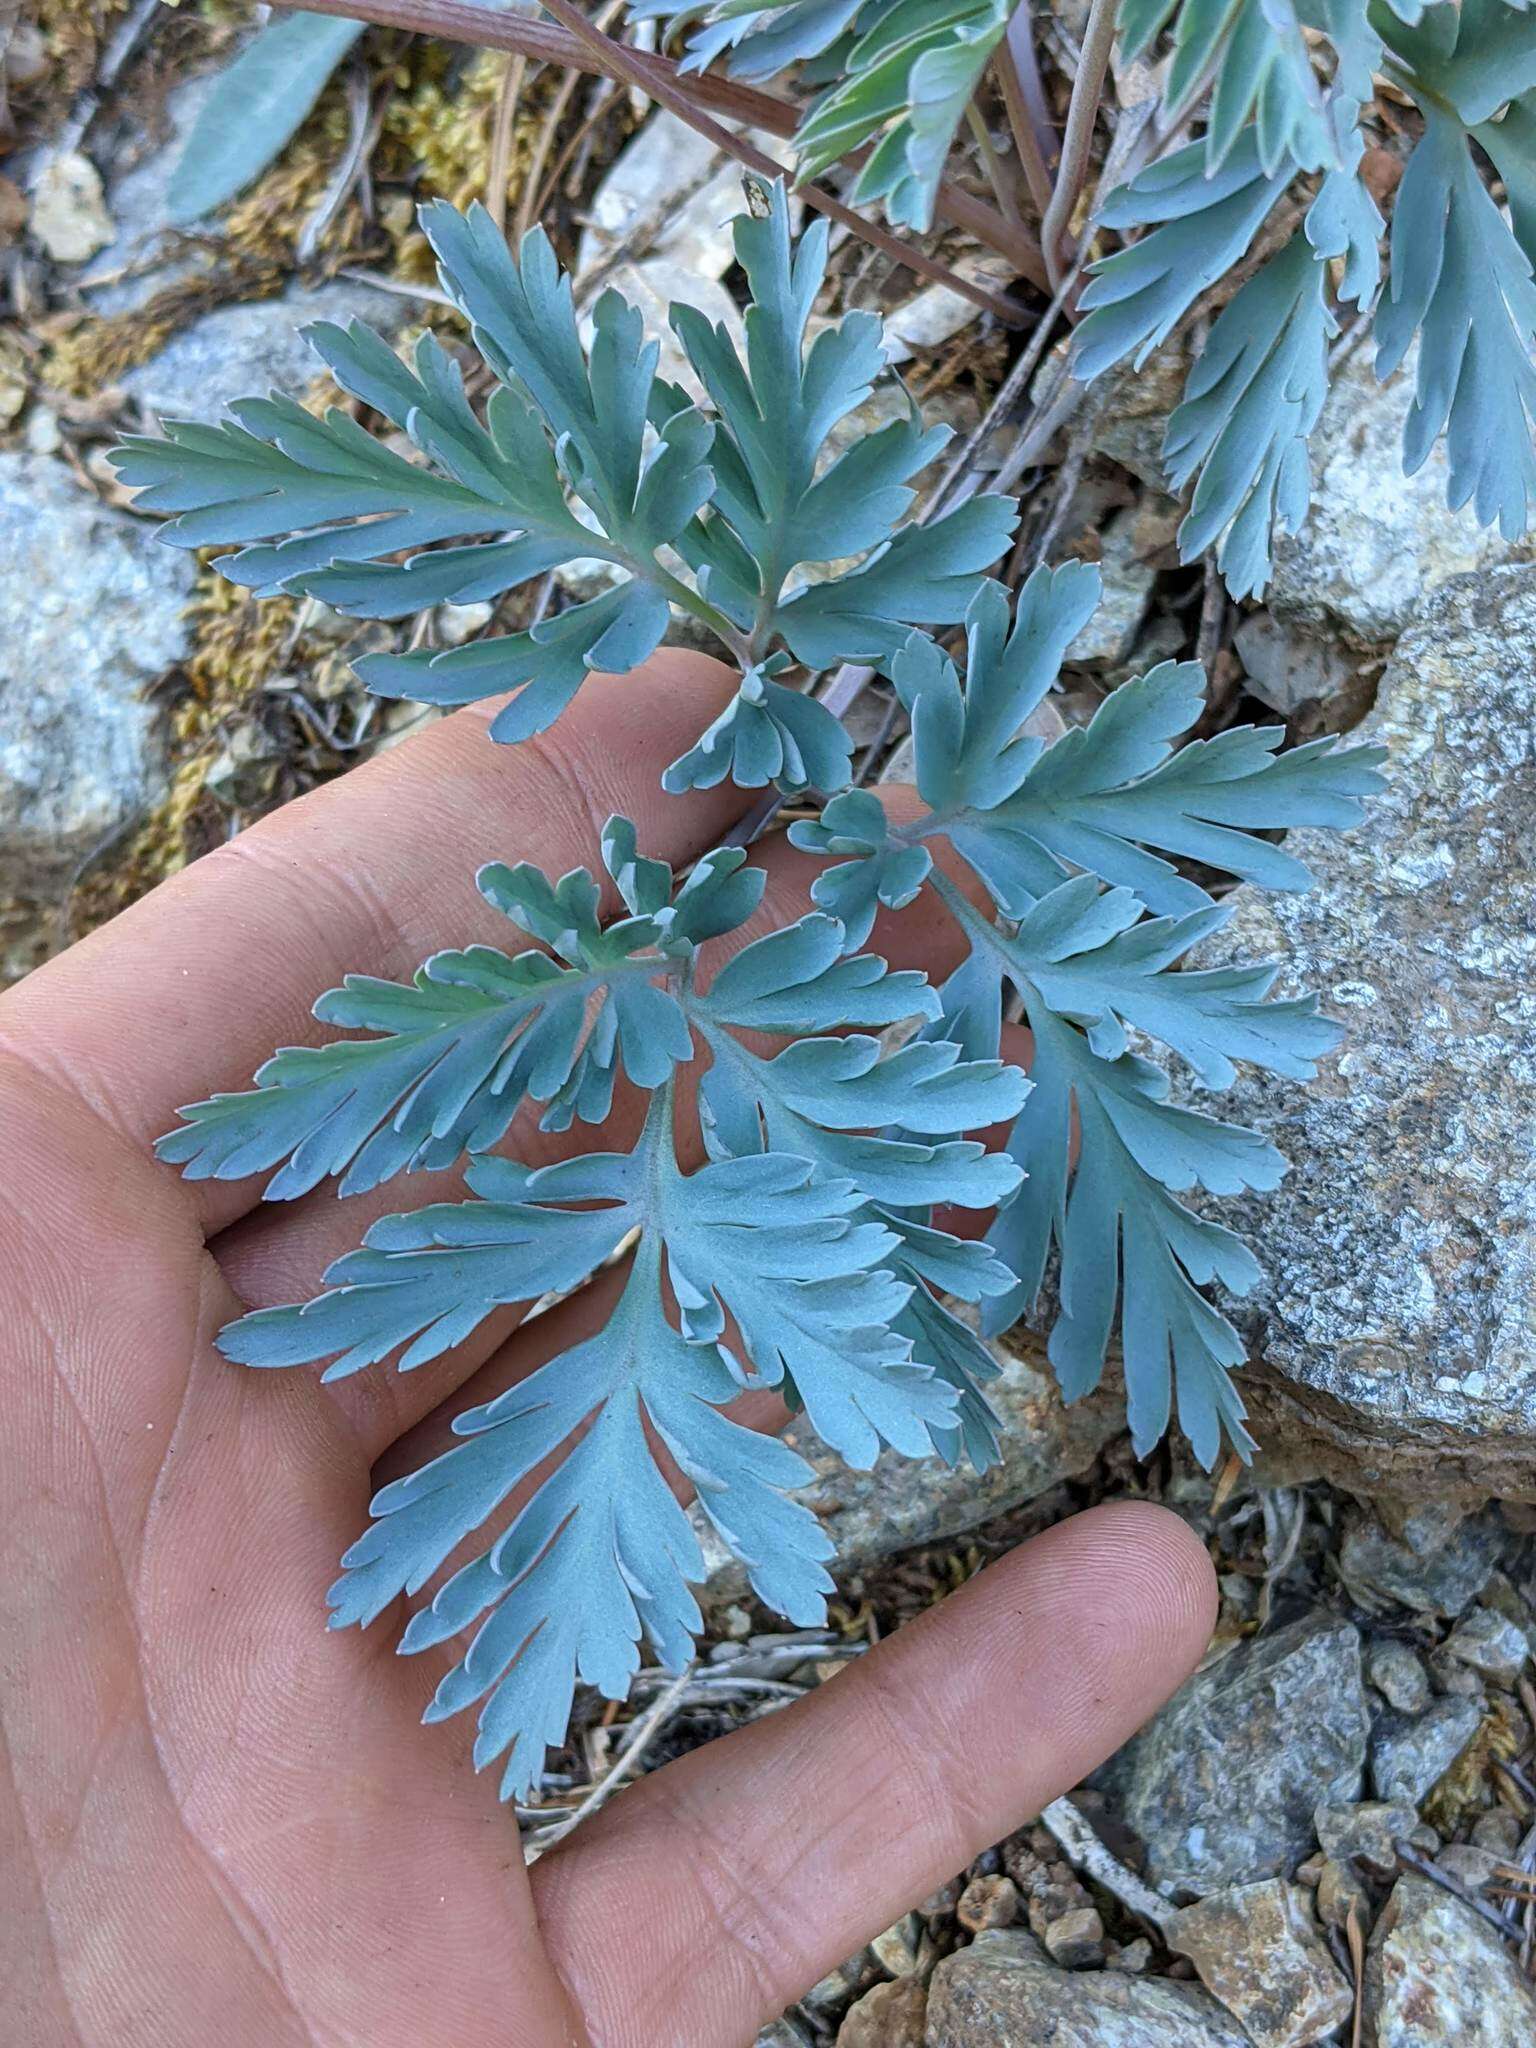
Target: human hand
[{"x": 221, "y": 1825}]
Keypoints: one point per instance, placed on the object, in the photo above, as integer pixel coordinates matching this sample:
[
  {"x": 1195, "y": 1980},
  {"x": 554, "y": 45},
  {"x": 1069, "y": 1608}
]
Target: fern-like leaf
[
  {"x": 1460, "y": 280},
  {"x": 757, "y": 39},
  {"x": 1043, "y": 829},
  {"x": 1254, "y": 56},
  {"x": 800, "y": 1257},
  {"x": 1202, "y": 224},
  {"x": 1250, "y": 404},
  {"x": 585, "y": 452},
  {"x": 1025, "y": 817},
  {"x": 909, "y": 76},
  {"x": 778, "y": 502}
]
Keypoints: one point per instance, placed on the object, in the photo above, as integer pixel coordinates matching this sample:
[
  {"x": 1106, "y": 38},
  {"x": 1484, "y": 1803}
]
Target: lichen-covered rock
[
  {"x": 1258, "y": 1950},
  {"x": 1435, "y": 1559},
  {"x": 1491, "y": 1644},
  {"x": 1437, "y": 1974},
  {"x": 901, "y": 1503},
  {"x": 90, "y": 611},
  {"x": 1395, "y": 1333},
  {"x": 1221, "y": 1787},
  {"x": 1397, "y": 1672},
  {"x": 1002, "y": 1992},
  {"x": 1375, "y": 540},
  {"x": 1410, "y": 1757}
]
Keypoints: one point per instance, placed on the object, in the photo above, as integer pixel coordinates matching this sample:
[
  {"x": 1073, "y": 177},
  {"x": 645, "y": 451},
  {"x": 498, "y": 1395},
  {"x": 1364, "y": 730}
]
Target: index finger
[{"x": 189, "y": 990}]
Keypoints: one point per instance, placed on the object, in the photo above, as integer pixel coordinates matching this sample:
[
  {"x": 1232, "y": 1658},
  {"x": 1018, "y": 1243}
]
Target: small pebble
[
  {"x": 1339, "y": 1891},
  {"x": 940, "y": 1904},
  {"x": 1132, "y": 1959},
  {"x": 889, "y": 2016},
  {"x": 988, "y": 1902},
  {"x": 1076, "y": 1939},
  {"x": 1491, "y": 1644},
  {"x": 1499, "y": 1831},
  {"x": 896, "y": 1949},
  {"x": 1398, "y": 1674},
  {"x": 1475, "y": 1868}
]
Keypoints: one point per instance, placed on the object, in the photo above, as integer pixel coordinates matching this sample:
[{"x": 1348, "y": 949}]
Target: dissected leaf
[
  {"x": 1043, "y": 828},
  {"x": 767, "y": 733},
  {"x": 1472, "y": 58},
  {"x": 759, "y": 40},
  {"x": 1460, "y": 280},
  {"x": 1202, "y": 224},
  {"x": 1254, "y": 56},
  {"x": 478, "y": 1033},
  {"x": 907, "y": 82},
  {"x": 1025, "y": 817},
  {"x": 794, "y": 1259},
  {"x": 1250, "y": 404}
]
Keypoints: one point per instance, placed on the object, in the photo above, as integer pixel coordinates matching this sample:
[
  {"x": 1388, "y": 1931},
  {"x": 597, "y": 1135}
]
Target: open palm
[{"x": 221, "y": 1825}]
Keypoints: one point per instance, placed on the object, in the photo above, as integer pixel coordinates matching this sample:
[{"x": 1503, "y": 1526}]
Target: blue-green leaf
[
  {"x": 478, "y": 1033},
  {"x": 1202, "y": 224},
  {"x": 908, "y": 79},
  {"x": 256, "y": 106},
  {"x": 1249, "y": 407},
  {"x": 1460, "y": 280}
]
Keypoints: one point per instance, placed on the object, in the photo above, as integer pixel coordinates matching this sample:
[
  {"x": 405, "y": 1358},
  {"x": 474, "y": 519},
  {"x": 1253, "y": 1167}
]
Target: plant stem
[
  {"x": 1016, "y": 72},
  {"x": 508, "y": 100},
  {"x": 991, "y": 164},
  {"x": 458, "y": 21},
  {"x": 690, "y": 601},
  {"x": 643, "y": 71},
  {"x": 1077, "y": 144}
]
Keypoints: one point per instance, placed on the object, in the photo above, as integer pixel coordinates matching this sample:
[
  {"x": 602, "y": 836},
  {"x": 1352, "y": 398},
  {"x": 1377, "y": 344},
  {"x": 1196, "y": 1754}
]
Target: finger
[
  {"x": 280, "y": 1254},
  {"x": 767, "y": 1857},
  {"x": 188, "y": 991}
]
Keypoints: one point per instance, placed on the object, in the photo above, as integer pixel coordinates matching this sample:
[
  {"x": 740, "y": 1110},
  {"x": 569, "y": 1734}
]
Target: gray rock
[
  {"x": 1258, "y": 1950},
  {"x": 1491, "y": 1644},
  {"x": 144, "y": 254},
  {"x": 785, "y": 2033},
  {"x": 1398, "y": 1674},
  {"x": 903, "y": 1502},
  {"x": 1221, "y": 1787},
  {"x": 90, "y": 612},
  {"x": 1001, "y": 1992},
  {"x": 1396, "y": 1328},
  {"x": 1409, "y": 1758},
  {"x": 247, "y": 350},
  {"x": 1110, "y": 634},
  {"x": 1375, "y": 541},
  {"x": 1437, "y": 1974},
  {"x": 1367, "y": 1833},
  {"x": 1296, "y": 672},
  {"x": 1437, "y": 1563},
  {"x": 1471, "y": 1867}
]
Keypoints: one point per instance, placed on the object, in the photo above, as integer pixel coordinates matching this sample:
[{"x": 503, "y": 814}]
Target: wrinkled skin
[{"x": 222, "y": 1826}]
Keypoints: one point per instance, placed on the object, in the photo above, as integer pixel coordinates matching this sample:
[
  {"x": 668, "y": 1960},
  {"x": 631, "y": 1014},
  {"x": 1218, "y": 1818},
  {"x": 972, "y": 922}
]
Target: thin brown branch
[
  {"x": 644, "y": 71},
  {"x": 457, "y": 21},
  {"x": 1019, "y": 77},
  {"x": 991, "y": 163},
  {"x": 508, "y": 101},
  {"x": 1077, "y": 143}
]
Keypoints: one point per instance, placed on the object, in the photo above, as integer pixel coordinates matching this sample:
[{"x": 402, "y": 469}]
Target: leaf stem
[
  {"x": 1077, "y": 143},
  {"x": 1019, "y": 76},
  {"x": 691, "y": 601},
  {"x": 997, "y": 177}
]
